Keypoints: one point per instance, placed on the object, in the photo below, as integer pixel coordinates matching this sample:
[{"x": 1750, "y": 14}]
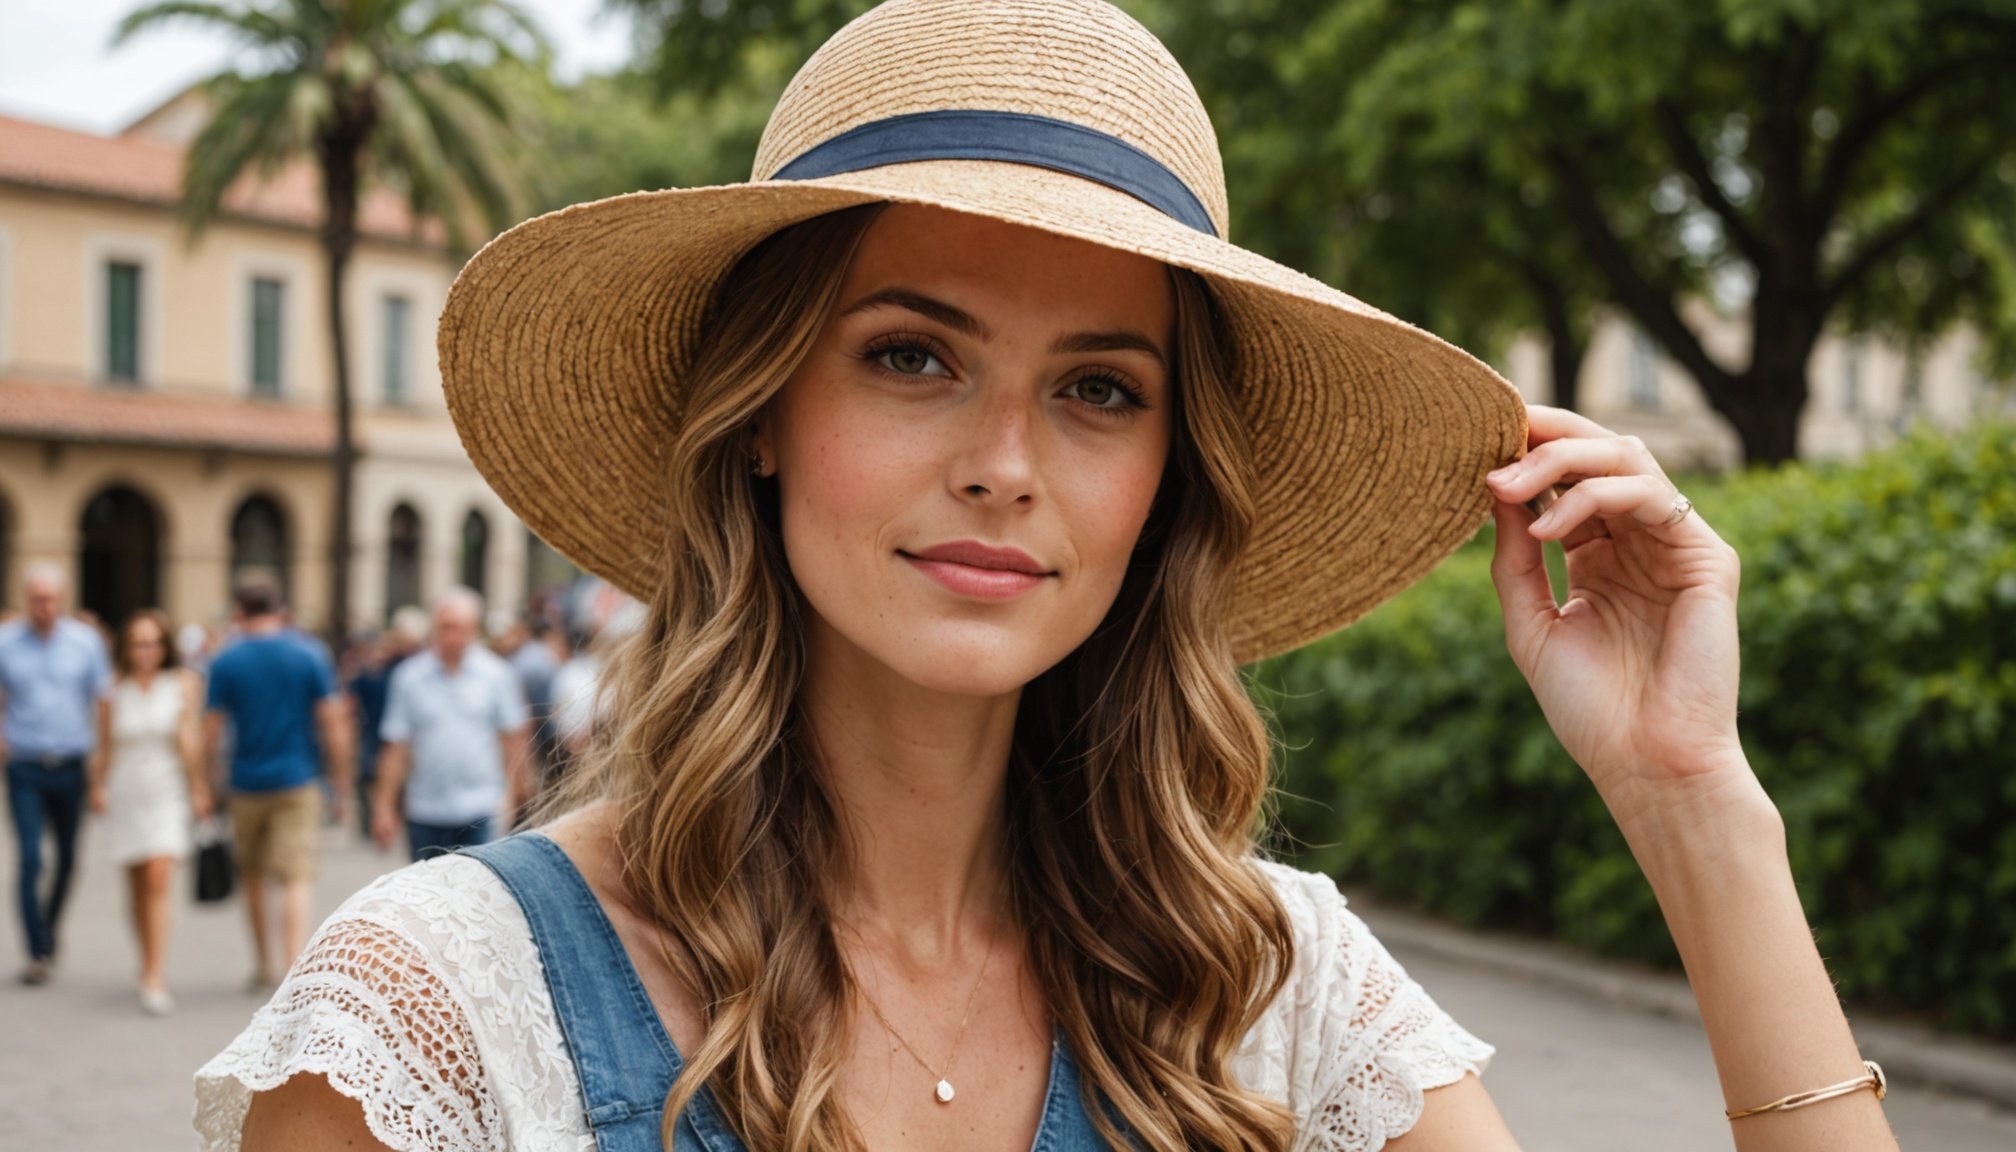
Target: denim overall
[{"x": 621, "y": 1053}]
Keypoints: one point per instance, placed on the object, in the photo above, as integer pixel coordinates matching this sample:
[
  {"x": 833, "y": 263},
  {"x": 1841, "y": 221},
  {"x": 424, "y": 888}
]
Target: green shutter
[
  {"x": 395, "y": 350},
  {"x": 122, "y": 321},
  {"x": 266, "y": 298}
]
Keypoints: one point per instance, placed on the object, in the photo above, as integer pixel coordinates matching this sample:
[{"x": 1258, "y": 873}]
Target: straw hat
[{"x": 563, "y": 343}]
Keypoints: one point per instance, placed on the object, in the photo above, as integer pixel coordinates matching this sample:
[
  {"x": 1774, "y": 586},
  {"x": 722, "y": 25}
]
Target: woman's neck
[{"x": 919, "y": 780}]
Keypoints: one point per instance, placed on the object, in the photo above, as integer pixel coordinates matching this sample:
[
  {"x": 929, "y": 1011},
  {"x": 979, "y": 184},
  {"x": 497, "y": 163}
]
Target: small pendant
[{"x": 944, "y": 1092}]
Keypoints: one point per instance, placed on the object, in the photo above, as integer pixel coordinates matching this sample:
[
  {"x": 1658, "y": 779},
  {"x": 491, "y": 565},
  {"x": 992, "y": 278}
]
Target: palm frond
[
  {"x": 252, "y": 129},
  {"x": 248, "y": 23},
  {"x": 418, "y": 82}
]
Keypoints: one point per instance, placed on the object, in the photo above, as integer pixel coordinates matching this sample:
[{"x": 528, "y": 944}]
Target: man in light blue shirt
[
  {"x": 454, "y": 735},
  {"x": 53, "y": 669}
]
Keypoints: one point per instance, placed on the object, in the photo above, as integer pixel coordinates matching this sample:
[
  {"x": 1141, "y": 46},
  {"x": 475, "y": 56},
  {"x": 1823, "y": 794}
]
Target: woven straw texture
[{"x": 564, "y": 341}]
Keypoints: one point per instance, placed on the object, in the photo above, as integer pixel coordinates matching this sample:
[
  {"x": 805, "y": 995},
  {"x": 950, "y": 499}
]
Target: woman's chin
[{"x": 963, "y": 660}]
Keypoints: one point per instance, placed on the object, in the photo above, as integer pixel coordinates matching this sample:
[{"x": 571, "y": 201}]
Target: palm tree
[{"x": 409, "y": 94}]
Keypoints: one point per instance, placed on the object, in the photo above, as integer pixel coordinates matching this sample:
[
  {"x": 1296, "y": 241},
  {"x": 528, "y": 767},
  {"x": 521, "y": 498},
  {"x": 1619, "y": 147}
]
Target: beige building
[
  {"x": 1865, "y": 392},
  {"x": 165, "y": 412}
]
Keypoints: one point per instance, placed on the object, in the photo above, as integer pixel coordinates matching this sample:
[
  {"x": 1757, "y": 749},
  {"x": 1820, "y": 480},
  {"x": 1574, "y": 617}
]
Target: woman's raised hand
[{"x": 1637, "y": 670}]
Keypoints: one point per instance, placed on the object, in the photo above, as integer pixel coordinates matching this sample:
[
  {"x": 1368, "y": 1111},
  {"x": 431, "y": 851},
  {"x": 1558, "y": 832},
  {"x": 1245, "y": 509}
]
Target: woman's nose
[{"x": 999, "y": 452}]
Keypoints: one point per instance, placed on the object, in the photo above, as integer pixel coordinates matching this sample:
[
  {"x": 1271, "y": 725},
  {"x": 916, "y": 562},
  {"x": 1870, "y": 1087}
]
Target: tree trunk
[
  {"x": 341, "y": 150},
  {"x": 1565, "y": 353},
  {"x": 1767, "y": 421}
]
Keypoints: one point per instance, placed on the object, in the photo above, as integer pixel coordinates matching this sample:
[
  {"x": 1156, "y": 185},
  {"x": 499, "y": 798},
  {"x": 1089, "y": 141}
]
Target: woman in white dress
[
  {"x": 147, "y": 783},
  {"x": 960, "y": 461}
]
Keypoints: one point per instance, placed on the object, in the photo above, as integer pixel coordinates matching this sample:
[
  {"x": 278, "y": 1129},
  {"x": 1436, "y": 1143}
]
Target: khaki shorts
[{"x": 277, "y": 833}]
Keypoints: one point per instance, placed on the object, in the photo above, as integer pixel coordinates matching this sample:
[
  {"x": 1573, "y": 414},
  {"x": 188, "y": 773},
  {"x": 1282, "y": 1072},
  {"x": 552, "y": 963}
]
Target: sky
[{"x": 56, "y": 63}]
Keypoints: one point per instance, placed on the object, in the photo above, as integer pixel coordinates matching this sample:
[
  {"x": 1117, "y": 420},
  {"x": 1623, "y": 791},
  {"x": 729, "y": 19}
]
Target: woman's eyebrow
[
  {"x": 960, "y": 320},
  {"x": 1119, "y": 340},
  {"x": 957, "y": 319}
]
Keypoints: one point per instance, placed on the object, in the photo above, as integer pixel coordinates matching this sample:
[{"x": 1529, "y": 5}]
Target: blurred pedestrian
[
  {"x": 528, "y": 645},
  {"x": 52, "y": 670},
  {"x": 148, "y": 781},
  {"x": 384, "y": 653},
  {"x": 455, "y": 739},
  {"x": 278, "y": 693},
  {"x": 194, "y": 645}
]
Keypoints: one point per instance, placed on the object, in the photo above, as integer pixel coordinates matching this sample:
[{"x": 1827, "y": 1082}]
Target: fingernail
[{"x": 1505, "y": 473}]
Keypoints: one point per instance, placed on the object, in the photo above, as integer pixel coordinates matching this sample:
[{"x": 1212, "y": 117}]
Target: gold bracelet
[{"x": 1874, "y": 1079}]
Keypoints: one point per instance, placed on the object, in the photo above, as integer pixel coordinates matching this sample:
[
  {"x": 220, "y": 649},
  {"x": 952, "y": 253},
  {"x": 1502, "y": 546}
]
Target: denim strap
[
  {"x": 981, "y": 134},
  {"x": 624, "y": 1059},
  {"x": 1066, "y": 1125}
]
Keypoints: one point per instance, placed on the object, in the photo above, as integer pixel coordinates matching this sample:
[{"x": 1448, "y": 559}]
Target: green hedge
[{"x": 1878, "y": 617}]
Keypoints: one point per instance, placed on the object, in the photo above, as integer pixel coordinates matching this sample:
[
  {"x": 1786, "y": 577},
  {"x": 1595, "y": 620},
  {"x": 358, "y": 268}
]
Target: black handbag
[{"x": 213, "y": 864}]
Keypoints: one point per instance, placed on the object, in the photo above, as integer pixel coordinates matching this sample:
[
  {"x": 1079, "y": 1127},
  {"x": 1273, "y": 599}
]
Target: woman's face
[
  {"x": 146, "y": 647},
  {"x": 968, "y": 454}
]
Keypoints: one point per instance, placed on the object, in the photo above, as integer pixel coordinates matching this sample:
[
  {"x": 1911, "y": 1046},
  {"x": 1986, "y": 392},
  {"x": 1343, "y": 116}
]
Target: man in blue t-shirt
[{"x": 277, "y": 692}]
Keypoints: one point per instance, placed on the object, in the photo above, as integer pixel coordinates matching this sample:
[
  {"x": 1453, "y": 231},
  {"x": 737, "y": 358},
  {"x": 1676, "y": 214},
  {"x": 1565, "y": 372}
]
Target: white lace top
[{"x": 423, "y": 998}]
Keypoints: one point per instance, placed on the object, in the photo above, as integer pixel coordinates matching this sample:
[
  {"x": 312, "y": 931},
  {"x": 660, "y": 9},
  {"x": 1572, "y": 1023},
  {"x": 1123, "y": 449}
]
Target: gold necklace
[{"x": 942, "y": 1092}]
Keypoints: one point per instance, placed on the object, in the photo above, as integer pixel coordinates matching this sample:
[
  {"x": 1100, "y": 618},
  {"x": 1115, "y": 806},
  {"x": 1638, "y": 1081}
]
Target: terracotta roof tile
[
  {"x": 50, "y": 410},
  {"x": 138, "y": 167}
]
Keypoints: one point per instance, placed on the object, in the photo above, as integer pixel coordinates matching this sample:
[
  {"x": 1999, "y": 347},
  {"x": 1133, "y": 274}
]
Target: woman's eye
[
  {"x": 1103, "y": 392},
  {"x": 911, "y": 360}
]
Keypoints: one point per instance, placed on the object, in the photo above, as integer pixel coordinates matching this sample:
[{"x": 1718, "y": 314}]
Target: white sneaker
[{"x": 156, "y": 1001}]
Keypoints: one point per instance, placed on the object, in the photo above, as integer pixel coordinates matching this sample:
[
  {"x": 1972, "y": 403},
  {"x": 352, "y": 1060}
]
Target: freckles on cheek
[
  {"x": 857, "y": 474},
  {"x": 1113, "y": 507}
]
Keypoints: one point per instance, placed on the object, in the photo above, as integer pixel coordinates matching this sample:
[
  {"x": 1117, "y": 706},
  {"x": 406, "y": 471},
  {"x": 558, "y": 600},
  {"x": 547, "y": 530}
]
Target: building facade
[
  {"x": 165, "y": 405},
  {"x": 1865, "y": 392}
]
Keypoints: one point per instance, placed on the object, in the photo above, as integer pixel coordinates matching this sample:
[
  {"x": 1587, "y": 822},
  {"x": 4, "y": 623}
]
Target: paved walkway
[{"x": 83, "y": 1071}]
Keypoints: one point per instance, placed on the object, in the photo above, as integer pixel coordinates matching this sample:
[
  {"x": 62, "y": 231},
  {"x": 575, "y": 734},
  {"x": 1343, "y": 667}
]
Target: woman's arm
[
  {"x": 1774, "y": 1022},
  {"x": 189, "y": 745},
  {"x": 98, "y": 766},
  {"x": 306, "y": 1114},
  {"x": 1637, "y": 674}
]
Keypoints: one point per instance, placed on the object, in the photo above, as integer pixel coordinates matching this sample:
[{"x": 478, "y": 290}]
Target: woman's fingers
[
  {"x": 1544, "y": 423},
  {"x": 1647, "y": 499},
  {"x": 1568, "y": 460},
  {"x": 1519, "y": 570}
]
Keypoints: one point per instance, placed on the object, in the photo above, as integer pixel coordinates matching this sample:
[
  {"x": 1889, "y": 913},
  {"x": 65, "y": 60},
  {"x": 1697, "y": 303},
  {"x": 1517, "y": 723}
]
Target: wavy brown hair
[{"x": 1138, "y": 770}]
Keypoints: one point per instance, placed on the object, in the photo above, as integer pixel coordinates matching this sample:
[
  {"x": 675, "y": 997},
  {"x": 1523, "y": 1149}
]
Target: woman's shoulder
[
  {"x": 1351, "y": 1041},
  {"x": 1326, "y": 930},
  {"x": 451, "y": 895},
  {"x": 422, "y": 997}
]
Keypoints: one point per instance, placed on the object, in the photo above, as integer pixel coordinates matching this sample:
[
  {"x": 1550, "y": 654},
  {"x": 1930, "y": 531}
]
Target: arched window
[
  {"x": 259, "y": 545},
  {"x": 475, "y": 551},
  {"x": 118, "y": 554},
  {"x": 402, "y": 559}
]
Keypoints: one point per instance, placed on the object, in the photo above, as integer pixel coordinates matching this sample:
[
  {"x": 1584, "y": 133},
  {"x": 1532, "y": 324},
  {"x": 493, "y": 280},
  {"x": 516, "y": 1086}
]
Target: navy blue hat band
[{"x": 979, "y": 134}]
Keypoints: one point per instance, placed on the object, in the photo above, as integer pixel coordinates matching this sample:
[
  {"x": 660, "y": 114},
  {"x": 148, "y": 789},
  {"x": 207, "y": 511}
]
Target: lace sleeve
[
  {"x": 1352, "y": 1041},
  {"x": 369, "y": 1007}
]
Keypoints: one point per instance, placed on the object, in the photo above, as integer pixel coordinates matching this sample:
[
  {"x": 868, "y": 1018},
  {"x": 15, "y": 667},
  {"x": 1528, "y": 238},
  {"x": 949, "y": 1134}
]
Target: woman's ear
[{"x": 765, "y": 457}]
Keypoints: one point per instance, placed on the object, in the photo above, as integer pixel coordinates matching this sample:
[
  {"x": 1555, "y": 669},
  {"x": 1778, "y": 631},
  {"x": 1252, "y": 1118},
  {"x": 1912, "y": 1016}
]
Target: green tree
[
  {"x": 406, "y": 93},
  {"x": 1817, "y": 161},
  {"x": 705, "y": 47},
  {"x": 620, "y": 135},
  {"x": 1487, "y": 166}
]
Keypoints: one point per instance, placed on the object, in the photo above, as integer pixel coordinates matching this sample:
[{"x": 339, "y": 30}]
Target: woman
[
  {"x": 960, "y": 461},
  {"x": 147, "y": 781}
]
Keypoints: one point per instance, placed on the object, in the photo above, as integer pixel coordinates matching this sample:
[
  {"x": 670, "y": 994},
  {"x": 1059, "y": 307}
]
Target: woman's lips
[{"x": 970, "y": 568}]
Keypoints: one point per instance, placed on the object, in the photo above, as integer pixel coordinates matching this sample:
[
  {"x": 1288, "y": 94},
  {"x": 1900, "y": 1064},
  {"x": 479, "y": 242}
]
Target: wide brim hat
[{"x": 565, "y": 342}]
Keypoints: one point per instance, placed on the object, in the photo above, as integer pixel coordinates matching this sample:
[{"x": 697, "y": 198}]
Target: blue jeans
[
  {"x": 39, "y": 790},
  {"x": 425, "y": 840}
]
